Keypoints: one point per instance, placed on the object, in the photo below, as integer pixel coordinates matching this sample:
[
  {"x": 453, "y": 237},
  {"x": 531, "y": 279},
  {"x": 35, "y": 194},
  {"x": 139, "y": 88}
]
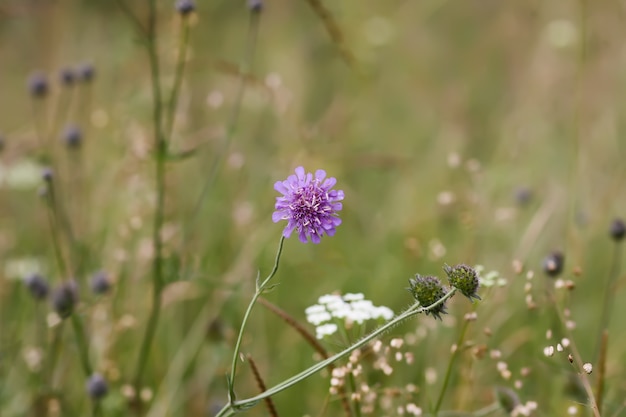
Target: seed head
[
  {"x": 64, "y": 299},
  {"x": 38, "y": 85},
  {"x": 428, "y": 290},
  {"x": 464, "y": 278},
  {"x": 184, "y": 7},
  {"x": 97, "y": 386},
  {"x": 553, "y": 264},
  {"x": 308, "y": 204},
  {"x": 37, "y": 286},
  {"x": 618, "y": 230}
]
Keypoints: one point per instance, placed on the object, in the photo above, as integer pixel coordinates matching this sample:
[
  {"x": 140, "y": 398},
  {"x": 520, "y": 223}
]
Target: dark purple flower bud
[
  {"x": 523, "y": 195},
  {"x": 38, "y": 85},
  {"x": 37, "y": 286},
  {"x": 47, "y": 174},
  {"x": 86, "y": 72},
  {"x": 618, "y": 230},
  {"x": 64, "y": 299},
  {"x": 67, "y": 77},
  {"x": 553, "y": 264},
  {"x": 427, "y": 291},
  {"x": 255, "y": 6},
  {"x": 185, "y": 7},
  {"x": 97, "y": 386},
  {"x": 72, "y": 136},
  {"x": 100, "y": 283}
]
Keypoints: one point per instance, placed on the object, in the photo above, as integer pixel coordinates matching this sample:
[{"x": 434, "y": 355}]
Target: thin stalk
[
  {"x": 236, "y": 406},
  {"x": 257, "y": 294},
  {"x": 609, "y": 294},
  {"x": 577, "y": 358},
  {"x": 81, "y": 341},
  {"x": 356, "y": 400},
  {"x": 271, "y": 408},
  {"x": 454, "y": 355},
  {"x": 157, "y": 241},
  {"x": 178, "y": 76},
  {"x": 246, "y": 65},
  {"x": 602, "y": 371}
]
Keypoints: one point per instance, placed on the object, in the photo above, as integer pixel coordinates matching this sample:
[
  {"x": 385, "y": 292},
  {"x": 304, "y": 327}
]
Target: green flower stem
[
  {"x": 157, "y": 240},
  {"x": 446, "y": 379},
  {"x": 609, "y": 293},
  {"x": 257, "y": 294},
  {"x": 238, "y": 406}
]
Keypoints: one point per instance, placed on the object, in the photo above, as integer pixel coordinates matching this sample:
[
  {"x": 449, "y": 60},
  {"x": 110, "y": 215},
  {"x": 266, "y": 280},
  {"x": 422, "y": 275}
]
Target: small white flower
[
  {"x": 353, "y": 296},
  {"x": 588, "y": 368},
  {"x": 318, "y": 318},
  {"x": 548, "y": 351},
  {"x": 328, "y": 298},
  {"x": 325, "y": 330}
]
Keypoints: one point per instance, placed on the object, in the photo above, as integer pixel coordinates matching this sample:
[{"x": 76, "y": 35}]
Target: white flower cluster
[
  {"x": 490, "y": 278},
  {"x": 351, "y": 308}
]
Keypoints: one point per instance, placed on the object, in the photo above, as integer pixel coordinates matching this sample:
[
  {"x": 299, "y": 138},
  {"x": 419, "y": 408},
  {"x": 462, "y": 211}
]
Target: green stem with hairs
[
  {"x": 259, "y": 290},
  {"x": 234, "y": 406}
]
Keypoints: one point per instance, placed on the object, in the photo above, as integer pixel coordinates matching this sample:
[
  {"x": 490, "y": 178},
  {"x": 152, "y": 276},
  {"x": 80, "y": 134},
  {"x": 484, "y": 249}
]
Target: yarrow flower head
[
  {"x": 465, "y": 279},
  {"x": 427, "y": 291},
  {"x": 308, "y": 204}
]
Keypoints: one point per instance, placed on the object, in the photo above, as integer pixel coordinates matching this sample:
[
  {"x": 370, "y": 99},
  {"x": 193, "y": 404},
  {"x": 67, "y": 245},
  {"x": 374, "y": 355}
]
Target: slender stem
[
  {"x": 609, "y": 294},
  {"x": 236, "y": 406},
  {"x": 81, "y": 341},
  {"x": 253, "y": 29},
  {"x": 577, "y": 358},
  {"x": 454, "y": 355},
  {"x": 178, "y": 77},
  {"x": 257, "y": 294},
  {"x": 602, "y": 370},
  {"x": 157, "y": 241}
]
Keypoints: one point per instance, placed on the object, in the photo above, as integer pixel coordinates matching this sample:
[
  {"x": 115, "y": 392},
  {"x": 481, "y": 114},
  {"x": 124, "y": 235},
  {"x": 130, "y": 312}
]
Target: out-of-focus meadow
[{"x": 478, "y": 132}]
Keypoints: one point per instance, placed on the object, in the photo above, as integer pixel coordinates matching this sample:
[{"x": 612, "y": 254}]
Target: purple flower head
[{"x": 308, "y": 204}]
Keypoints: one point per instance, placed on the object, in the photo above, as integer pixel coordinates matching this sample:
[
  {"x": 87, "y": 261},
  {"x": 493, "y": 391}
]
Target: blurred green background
[{"x": 481, "y": 132}]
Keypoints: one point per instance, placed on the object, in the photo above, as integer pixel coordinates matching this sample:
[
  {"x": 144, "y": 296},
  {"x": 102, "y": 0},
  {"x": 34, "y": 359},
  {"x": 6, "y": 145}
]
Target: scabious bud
[
  {"x": 464, "y": 278},
  {"x": 47, "y": 174},
  {"x": 38, "y": 85},
  {"x": 100, "y": 283},
  {"x": 97, "y": 386},
  {"x": 72, "y": 136},
  {"x": 64, "y": 299},
  {"x": 618, "y": 230},
  {"x": 255, "y": 6},
  {"x": 37, "y": 286},
  {"x": 86, "y": 72},
  {"x": 184, "y": 7},
  {"x": 67, "y": 77},
  {"x": 553, "y": 264},
  {"x": 427, "y": 291}
]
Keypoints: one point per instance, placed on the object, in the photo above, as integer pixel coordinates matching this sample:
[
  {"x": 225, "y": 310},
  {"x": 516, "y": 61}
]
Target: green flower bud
[
  {"x": 464, "y": 278},
  {"x": 428, "y": 290}
]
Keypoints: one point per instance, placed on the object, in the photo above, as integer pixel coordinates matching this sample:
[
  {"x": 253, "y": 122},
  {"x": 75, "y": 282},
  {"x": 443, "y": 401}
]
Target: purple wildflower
[{"x": 308, "y": 204}]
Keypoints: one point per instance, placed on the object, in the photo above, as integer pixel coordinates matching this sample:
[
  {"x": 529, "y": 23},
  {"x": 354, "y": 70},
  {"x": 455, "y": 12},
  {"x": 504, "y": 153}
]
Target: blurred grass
[{"x": 526, "y": 94}]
